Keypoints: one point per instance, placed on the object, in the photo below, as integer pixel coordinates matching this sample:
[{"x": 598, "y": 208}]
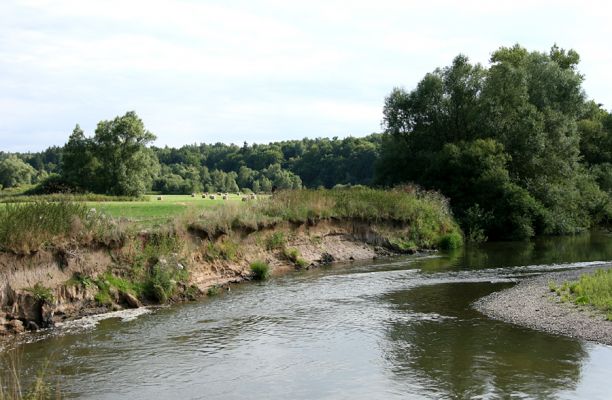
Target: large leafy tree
[
  {"x": 527, "y": 104},
  {"x": 116, "y": 160},
  {"x": 129, "y": 166}
]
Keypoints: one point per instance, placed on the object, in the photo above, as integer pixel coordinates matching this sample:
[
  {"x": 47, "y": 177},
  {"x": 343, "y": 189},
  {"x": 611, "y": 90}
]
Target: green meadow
[{"x": 155, "y": 212}]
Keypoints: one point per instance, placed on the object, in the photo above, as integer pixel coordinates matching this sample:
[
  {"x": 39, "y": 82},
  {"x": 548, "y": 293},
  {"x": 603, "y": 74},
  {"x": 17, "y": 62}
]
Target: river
[{"x": 390, "y": 329}]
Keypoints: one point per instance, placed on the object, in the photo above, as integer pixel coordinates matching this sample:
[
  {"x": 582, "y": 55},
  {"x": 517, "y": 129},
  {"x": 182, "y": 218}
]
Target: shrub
[
  {"x": 41, "y": 293},
  {"x": 213, "y": 291},
  {"x": 291, "y": 254},
  {"x": 260, "y": 270},
  {"x": 275, "y": 241},
  {"x": 450, "y": 241},
  {"x": 161, "y": 282}
]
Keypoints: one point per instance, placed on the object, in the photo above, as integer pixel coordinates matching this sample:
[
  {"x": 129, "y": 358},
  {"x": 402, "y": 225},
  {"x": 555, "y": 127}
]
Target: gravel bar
[{"x": 531, "y": 304}]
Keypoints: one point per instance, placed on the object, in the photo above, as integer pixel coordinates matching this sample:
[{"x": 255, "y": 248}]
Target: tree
[
  {"x": 128, "y": 166},
  {"x": 15, "y": 172},
  {"x": 79, "y": 165},
  {"x": 528, "y": 106}
]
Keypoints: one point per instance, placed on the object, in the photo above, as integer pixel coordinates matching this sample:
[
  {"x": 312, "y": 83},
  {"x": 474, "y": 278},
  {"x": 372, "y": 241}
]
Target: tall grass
[
  {"x": 591, "y": 289},
  {"x": 14, "y": 387},
  {"x": 28, "y": 227},
  {"x": 427, "y": 214}
]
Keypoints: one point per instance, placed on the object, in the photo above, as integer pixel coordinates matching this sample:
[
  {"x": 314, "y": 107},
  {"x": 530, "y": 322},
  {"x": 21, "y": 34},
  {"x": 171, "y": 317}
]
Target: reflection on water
[
  {"x": 472, "y": 356},
  {"x": 400, "y": 328}
]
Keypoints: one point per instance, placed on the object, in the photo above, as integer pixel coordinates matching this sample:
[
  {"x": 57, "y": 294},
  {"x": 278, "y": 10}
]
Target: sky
[{"x": 257, "y": 71}]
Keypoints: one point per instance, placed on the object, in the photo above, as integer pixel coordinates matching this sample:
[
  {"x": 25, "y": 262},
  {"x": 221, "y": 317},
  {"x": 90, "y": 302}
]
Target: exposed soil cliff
[{"x": 39, "y": 290}]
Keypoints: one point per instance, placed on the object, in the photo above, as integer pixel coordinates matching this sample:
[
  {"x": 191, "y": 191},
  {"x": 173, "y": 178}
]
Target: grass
[
  {"x": 152, "y": 212},
  {"x": 591, "y": 289},
  {"x": 425, "y": 214},
  {"x": 260, "y": 270},
  {"x": 26, "y": 228}
]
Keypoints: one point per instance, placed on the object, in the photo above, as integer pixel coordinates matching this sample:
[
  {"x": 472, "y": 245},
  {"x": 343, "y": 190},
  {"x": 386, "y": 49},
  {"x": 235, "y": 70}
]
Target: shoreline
[{"x": 531, "y": 304}]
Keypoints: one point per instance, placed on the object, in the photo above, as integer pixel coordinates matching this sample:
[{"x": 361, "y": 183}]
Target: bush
[
  {"x": 275, "y": 241},
  {"x": 451, "y": 241},
  {"x": 161, "y": 282},
  {"x": 41, "y": 293},
  {"x": 260, "y": 270}
]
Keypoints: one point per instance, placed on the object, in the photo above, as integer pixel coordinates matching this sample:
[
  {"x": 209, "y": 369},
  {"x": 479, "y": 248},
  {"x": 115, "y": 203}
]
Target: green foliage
[
  {"x": 115, "y": 161},
  {"x": 503, "y": 143},
  {"x": 292, "y": 254},
  {"x": 213, "y": 291},
  {"x": 161, "y": 283},
  {"x": 275, "y": 241},
  {"x": 426, "y": 212},
  {"x": 591, "y": 289},
  {"x": 260, "y": 270},
  {"x": 15, "y": 172},
  {"x": 450, "y": 241},
  {"x": 226, "y": 249},
  {"x": 41, "y": 294},
  {"x": 402, "y": 245}
]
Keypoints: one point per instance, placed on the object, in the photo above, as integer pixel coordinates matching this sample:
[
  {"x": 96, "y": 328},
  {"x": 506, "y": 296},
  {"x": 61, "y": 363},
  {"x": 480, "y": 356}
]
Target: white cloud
[{"x": 256, "y": 70}]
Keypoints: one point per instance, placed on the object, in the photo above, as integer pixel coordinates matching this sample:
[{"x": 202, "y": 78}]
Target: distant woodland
[{"x": 516, "y": 146}]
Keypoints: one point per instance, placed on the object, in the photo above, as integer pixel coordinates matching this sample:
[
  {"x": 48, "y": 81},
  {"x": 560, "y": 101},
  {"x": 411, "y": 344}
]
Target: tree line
[
  {"x": 516, "y": 145},
  {"x": 119, "y": 159}
]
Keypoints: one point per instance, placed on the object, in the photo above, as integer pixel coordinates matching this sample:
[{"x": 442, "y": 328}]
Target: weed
[
  {"x": 450, "y": 241},
  {"x": 275, "y": 241},
  {"x": 213, "y": 291},
  {"x": 260, "y": 270},
  {"x": 41, "y": 293}
]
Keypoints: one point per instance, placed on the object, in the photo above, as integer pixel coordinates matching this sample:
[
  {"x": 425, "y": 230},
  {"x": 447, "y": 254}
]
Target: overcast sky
[{"x": 257, "y": 71}]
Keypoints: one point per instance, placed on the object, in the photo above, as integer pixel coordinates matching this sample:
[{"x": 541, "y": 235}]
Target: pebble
[{"x": 531, "y": 304}]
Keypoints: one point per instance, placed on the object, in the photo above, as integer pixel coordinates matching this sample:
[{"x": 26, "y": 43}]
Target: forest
[{"x": 517, "y": 147}]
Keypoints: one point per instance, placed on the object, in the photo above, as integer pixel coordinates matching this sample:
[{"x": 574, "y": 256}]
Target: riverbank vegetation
[
  {"x": 591, "y": 289},
  {"x": 116, "y": 262}
]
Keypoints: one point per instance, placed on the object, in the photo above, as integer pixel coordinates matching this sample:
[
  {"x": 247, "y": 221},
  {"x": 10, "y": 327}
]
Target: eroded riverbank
[{"x": 532, "y": 304}]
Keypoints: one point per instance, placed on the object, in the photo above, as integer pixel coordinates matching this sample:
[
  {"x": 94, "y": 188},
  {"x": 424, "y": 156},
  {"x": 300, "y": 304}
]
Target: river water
[{"x": 393, "y": 329}]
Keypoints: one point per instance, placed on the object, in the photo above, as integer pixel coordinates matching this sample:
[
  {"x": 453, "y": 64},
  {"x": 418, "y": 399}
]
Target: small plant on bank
[
  {"x": 450, "y": 241},
  {"x": 260, "y": 270},
  {"x": 292, "y": 254},
  {"x": 275, "y": 241},
  {"x": 213, "y": 291},
  {"x": 41, "y": 293}
]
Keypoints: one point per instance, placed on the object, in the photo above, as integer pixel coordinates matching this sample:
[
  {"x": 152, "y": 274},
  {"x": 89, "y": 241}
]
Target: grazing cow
[
  {"x": 159, "y": 197},
  {"x": 212, "y": 196}
]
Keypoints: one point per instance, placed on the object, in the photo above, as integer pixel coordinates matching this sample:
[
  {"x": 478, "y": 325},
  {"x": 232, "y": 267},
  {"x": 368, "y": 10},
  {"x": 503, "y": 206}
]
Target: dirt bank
[
  {"x": 531, "y": 304},
  {"x": 39, "y": 290}
]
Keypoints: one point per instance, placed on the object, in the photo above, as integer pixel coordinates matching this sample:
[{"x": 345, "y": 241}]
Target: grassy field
[{"x": 155, "y": 212}]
